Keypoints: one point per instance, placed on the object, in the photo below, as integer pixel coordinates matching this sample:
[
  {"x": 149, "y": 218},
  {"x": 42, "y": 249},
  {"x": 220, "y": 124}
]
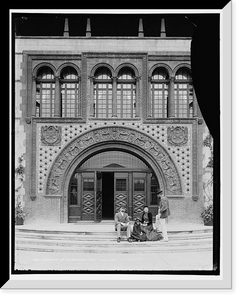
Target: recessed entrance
[
  {"x": 107, "y": 181},
  {"x": 107, "y": 195}
]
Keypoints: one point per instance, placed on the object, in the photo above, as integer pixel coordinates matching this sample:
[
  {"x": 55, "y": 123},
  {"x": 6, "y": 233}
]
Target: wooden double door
[{"x": 98, "y": 195}]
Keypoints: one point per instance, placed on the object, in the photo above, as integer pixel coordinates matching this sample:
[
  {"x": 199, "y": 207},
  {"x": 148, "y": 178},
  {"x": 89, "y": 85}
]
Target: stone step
[
  {"x": 121, "y": 248},
  {"x": 104, "y": 236},
  {"x": 71, "y": 243},
  {"x": 107, "y": 231},
  {"x": 104, "y": 241}
]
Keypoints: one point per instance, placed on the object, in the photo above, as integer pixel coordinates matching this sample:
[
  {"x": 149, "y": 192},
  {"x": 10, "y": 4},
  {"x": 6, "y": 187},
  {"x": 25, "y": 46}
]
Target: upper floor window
[
  {"x": 103, "y": 93},
  {"x": 69, "y": 92},
  {"x": 126, "y": 93},
  {"x": 183, "y": 94},
  {"x": 159, "y": 93},
  {"x": 45, "y": 92}
]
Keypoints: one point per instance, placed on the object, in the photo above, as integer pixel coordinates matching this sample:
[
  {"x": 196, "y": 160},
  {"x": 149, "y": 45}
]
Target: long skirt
[
  {"x": 139, "y": 237},
  {"x": 151, "y": 234}
]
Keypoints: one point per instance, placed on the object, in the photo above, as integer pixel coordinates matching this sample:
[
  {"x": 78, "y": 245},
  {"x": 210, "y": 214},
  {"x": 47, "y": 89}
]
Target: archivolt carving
[{"x": 124, "y": 135}]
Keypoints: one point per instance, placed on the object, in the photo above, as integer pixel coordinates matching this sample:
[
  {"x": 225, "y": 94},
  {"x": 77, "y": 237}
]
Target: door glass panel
[
  {"x": 139, "y": 185},
  {"x": 88, "y": 184},
  {"x": 121, "y": 185}
]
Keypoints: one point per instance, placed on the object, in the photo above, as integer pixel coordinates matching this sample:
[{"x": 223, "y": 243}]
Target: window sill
[
  {"x": 58, "y": 120},
  {"x": 114, "y": 119}
]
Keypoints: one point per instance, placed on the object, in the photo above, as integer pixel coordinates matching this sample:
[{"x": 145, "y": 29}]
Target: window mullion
[
  {"x": 132, "y": 104},
  {"x": 187, "y": 96},
  {"x": 121, "y": 100},
  {"x": 163, "y": 101},
  {"x": 40, "y": 99},
  {"x": 152, "y": 90}
]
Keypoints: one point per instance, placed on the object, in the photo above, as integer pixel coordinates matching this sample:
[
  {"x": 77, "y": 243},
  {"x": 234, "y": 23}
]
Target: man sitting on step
[{"x": 122, "y": 223}]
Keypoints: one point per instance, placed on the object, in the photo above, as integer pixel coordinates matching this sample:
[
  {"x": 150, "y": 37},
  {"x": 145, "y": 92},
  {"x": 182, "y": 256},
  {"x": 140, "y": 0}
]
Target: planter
[
  {"x": 210, "y": 223},
  {"x": 19, "y": 221}
]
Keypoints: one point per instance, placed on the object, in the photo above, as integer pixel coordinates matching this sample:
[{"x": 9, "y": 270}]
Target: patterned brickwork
[{"x": 180, "y": 154}]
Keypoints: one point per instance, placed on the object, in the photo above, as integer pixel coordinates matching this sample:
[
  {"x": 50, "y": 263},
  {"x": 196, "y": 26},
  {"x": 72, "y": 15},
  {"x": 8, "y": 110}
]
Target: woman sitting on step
[
  {"x": 137, "y": 234},
  {"x": 147, "y": 226}
]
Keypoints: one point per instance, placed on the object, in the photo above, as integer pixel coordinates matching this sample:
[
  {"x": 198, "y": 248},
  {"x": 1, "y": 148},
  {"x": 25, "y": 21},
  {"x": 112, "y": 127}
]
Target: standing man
[
  {"x": 163, "y": 214},
  {"x": 122, "y": 223}
]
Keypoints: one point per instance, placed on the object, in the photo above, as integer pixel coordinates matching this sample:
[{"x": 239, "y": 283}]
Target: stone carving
[
  {"x": 51, "y": 135},
  {"x": 75, "y": 148},
  {"x": 177, "y": 135}
]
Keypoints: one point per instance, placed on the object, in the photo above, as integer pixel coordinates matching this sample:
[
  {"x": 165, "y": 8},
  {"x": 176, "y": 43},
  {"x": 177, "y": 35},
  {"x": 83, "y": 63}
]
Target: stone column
[
  {"x": 33, "y": 109},
  {"x": 79, "y": 98},
  {"x": 195, "y": 104},
  {"x": 137, "y": 108},
  {"x": 57, "y": 103},
  {"x": 148, "y": 189},
  {"x": 149, "y": 106},
  {"x": 171, "y": 98},
  {"x": 92, "y": 108},
  {"x": 130, "y": 193}
]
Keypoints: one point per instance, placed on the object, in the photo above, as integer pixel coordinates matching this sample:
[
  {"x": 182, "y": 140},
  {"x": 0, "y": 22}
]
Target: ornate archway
[{"x": 112, "y": 137}]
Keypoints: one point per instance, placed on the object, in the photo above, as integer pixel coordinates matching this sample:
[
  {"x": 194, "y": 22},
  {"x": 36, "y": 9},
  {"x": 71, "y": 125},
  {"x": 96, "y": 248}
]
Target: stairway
[{"x": 90, "y": 240}]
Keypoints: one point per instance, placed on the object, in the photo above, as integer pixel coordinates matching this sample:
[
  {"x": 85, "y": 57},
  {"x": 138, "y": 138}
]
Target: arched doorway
[
  {"x": 103, "y": 139},
  {"x": 108, "y": 180}
]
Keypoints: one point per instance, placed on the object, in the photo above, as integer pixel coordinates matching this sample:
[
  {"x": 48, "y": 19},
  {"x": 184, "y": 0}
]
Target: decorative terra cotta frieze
[{"x": 94, "y": 137}]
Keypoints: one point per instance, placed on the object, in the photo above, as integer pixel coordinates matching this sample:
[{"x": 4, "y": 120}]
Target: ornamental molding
[
  {"x": 51, "y": 135},
  {"x": 137, "y": 55},
  {"x": 147, "y": 147},
  {"x": 177, "y": 135}
]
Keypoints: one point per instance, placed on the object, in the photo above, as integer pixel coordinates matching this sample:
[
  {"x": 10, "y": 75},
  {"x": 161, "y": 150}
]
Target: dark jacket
[
  {"x": 164, "y": 208},
  {"x": 150, "y": 218}
]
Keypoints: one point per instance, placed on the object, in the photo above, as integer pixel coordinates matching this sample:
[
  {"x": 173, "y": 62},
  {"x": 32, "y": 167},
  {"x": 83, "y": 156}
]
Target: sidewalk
[{"x": 102, "y": 262}]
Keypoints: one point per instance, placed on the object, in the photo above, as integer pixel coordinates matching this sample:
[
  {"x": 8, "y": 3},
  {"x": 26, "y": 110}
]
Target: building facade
[{"x": 107, "y": 121}]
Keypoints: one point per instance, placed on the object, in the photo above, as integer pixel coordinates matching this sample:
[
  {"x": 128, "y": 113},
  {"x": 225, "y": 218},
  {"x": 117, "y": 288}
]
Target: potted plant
[{"x": 207, "y": 215}]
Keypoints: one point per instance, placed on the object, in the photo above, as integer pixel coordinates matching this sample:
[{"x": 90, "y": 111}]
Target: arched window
[
  {"x": 102, "y": 93},
  {"x": 159, "y": 93},
  {"x": 69, "y": 92},
  {"x": 45, "y": 92},
  {"x": 183, "y": 94},
  {"x": 126, "y": 93}
]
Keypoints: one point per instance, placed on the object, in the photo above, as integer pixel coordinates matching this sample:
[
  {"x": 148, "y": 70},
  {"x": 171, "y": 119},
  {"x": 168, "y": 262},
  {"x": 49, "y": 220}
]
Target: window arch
[
  {"x": 183, "y": 93},
  {"x": 69, "y": 92},
  {"x": 126, "y": 93},
  {"x": 159, "y": 92},
  {"x": 45, "y": 92},
  {"x": 102, "y": 93}
]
